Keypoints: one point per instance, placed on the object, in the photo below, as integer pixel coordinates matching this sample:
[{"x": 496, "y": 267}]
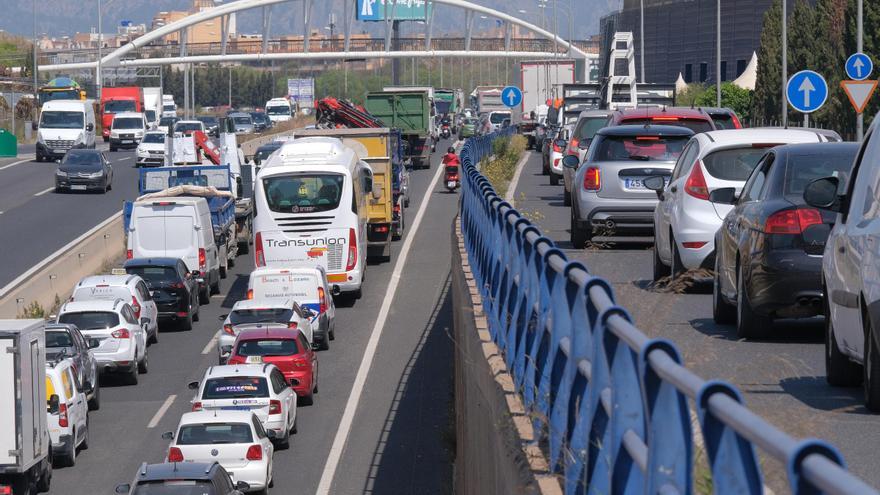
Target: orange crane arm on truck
[{"x": 210, "y": 150}]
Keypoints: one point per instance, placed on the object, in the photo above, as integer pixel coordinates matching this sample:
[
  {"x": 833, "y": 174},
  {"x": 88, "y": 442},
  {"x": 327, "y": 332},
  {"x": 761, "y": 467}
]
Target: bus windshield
[{"x": 303, "y": 193}]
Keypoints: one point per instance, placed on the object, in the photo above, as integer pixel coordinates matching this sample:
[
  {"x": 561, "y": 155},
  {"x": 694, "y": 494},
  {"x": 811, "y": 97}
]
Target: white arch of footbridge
[{"x": 117, "y": 57}]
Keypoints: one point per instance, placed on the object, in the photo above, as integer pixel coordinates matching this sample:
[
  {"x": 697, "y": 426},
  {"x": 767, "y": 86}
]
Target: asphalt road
[
  {"x": 402, "y": 431},
  {"x": 36, "y": 221},
  {"x": 782, "y": 377}
]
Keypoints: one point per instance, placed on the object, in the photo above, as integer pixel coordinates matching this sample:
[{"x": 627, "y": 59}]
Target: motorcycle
[
  {"x": 445, "y": 132},
  {"x": 452, "y": 179}
]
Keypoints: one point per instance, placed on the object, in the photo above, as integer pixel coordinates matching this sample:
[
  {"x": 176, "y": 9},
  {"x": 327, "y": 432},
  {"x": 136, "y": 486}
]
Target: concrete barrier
[
  {"x": 495, "y": 448},
  {"x": 55, "y": 276}
]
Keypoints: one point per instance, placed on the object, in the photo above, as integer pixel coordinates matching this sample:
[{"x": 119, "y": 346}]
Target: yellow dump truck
[{"x": 377, "y": 147}]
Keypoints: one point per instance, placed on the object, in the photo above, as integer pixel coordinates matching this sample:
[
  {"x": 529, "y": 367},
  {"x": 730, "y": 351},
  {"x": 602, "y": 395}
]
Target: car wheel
[
  {"x": 566, "y": 198},
  {"x": 132, "y": 375},
  {"x": 840, "y": 371},
  {"x": 545, "y": 168},
  {"x": 154, "y": 339},
  {"x": 871, "y": 380},
  {"x": 332, "y": 334},
  {"x": 215, "y": 287},
  {"x": 45, "y": 480},
  {"x": 84, "y": 444},
  {"x": 677, "y": 269},
  {"x": 749, "y": 325},
  {"x": 187, "y": 323},
  {"x": 579, "y": 236},
  {"x": 722, "y": 311},
  {"x": 554, "y": 179},
  {"x": 306, "y": 400},
  {"x": 283, "y": 443},
  {"x": 660, "y": 270},
  {"x": 325, "y": 344},
  {"x": 95, "y": 401},
  {"x": 112, "y": 148},
  {"x": 69, "y": 457},
  {"x": 144, "y": 363},
  {"x": 223, "y": 267},
  {"x": 197, "y": 313},
  {"x": 243, "y": 247},
  {"x": 204, "y": 297},
  {"x": 110, "y": 184}
]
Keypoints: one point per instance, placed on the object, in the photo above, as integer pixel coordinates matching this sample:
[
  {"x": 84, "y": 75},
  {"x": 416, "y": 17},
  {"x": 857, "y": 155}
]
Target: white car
[
  {"x": 557, "y": 153},
  {"x": 129, "y": 288},
  {"x": 151, "y": 150},
  {"x": 67, "y": 413},
  {"x": 122, "y": 339},
  {"x": 235, "y": 439},
  {"x": 250, "y": 313},
  {"x": 308, "y": 286},
  {"x": 127, "y": 130},
  {"x": 259, "y": 388},
  {"x": 685, "y": 221}
]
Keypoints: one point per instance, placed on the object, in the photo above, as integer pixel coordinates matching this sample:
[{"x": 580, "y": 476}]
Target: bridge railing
[{"x": 611, "y": 406}]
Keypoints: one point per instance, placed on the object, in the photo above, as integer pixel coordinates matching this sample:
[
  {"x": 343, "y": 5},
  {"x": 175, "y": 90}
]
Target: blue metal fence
[{"x": 611, "y": 404}]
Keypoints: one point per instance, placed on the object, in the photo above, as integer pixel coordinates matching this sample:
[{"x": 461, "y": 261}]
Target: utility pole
[
  {"x": 784, "y": 62},
  {"x": 230, "y": 87},
  {"x": 860, "y": 119},
  {"x": 395, "y": 46},
  {"x": 642, "y": 39},
  {"x": 36, "y": 76},
  {"x": 99, "y": 80},
  {"x": 718, "y": 55}
]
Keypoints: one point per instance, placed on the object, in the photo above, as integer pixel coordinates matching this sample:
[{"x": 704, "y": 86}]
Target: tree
[
  {"x": 766, "y": 100},
  {"x": 732, "y": 96}
]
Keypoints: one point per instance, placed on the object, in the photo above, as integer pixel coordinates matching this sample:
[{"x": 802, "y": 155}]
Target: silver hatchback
[{"x": 609, "y": 197}]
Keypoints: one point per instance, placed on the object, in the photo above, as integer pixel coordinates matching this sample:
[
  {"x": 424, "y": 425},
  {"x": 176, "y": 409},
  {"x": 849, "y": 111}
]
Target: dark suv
[
  {"x": 174, "y": 289},
  {"x": 171, "y": 478},
  {"x": 65, "y": 341}
]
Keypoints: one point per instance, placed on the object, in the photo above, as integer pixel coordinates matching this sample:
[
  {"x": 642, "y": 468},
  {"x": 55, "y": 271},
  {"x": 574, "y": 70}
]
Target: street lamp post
[
  {"x": 784, "y": 62},
  {"x": 860, "y": 119},
  {"x": 36, "y": 76},
  {"x": 718, "y": 54},
  {"x": 99, "y": 80},
  {"x": 642, "y": 38}
]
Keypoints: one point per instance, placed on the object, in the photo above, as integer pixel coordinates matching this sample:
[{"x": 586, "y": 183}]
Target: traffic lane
[
  {"x": 781, "y": 377},
  {"x": 39, "y": 225},
  {"x": 120, "y": 440}
]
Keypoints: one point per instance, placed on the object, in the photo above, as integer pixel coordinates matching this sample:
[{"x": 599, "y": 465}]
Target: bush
[{"x": 500, "y": 167}]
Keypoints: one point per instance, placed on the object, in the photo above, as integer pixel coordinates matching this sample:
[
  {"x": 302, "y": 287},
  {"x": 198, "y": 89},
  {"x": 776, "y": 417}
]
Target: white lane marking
[
  {"x": 511, "y": 188},
  {"x": 44, "y": 191},
  {"x": 357, "y": 388},
  {"x": 211, "y": 343},
  {"x": 123, "y": 159},
  {"x": 4, "y": 167},
  {"x": 161, "y": 412}
]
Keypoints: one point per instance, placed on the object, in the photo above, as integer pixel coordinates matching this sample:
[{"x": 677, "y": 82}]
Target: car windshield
[
  {"x": 695, "y": 125},
  {"x": 243, "y": 120},
  {"x": 209, "y": 120},
  {"x": 168, "y": 108},
  {"x": 278, "y": 110},
  {"x": 214, "y": 433},
  {"x": 155, "y": 276},
  {"x": 167, "y": 121},
  {"x": 260, "y": 117},
  {"x": 128, "y": 123},
  {"x": 58, "y": 338},
  {"x": 175, "y": 487},
  {"x": 61, "y": 120},
  {"x": 232, "y": 387},
  {"x": 117, "y": 106},
  {"x": 588, "y": 126},
  {"x": 78, "y": 159},
  {"x": 733, "y": 164},
  {"x": 498, "y": 117},
  {"x": 261, "y": 315},
  {"x": 639, "y": 148},
  {"x": 303, "y": 193},
  {"x": 187, "y": 126},
  {"x": 263, "y": 152},
  {"x": 267, "y": 347},
  {"x": 91, "y": 320},
  {"x": 801, "y": 169},
  {"x": 154, "y": 137}
]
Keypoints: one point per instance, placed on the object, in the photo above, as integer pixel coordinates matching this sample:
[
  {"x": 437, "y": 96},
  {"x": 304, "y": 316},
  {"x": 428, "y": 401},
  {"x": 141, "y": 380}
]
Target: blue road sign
[
  {"x": 807, "y": 91},
  {"x": 859, "y": 66},
  {"x": 511, "y": 96}
]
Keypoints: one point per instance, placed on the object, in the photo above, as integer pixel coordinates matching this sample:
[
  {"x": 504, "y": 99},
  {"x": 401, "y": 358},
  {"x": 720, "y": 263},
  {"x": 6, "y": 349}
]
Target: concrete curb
[{"x": 496, "y": 451}]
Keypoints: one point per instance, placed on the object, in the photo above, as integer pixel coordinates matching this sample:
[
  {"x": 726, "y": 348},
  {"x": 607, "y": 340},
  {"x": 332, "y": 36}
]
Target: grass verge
[{"x": 500, "y": 167}]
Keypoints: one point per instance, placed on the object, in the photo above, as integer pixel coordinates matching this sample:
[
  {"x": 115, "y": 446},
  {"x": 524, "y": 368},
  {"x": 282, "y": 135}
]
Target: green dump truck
[{"x": 410, "y": 111}]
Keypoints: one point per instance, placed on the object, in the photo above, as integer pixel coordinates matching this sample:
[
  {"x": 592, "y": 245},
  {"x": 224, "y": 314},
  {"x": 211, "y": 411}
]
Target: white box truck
[
  {"x": 153, "y": 105},
  {"x": 25, "y": 446}
]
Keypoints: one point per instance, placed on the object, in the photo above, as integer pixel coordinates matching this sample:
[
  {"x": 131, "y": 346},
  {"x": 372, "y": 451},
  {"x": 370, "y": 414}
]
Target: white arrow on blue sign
[
  {"x": 511, "y": 96},
  {"x": 859, "y": 66},
  {"x": 807, "y": 91}
]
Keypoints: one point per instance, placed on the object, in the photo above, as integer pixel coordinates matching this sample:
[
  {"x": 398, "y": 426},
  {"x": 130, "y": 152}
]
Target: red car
[
  {"x": 286, "y": 348},
  {"x": 695, "y": 119}
]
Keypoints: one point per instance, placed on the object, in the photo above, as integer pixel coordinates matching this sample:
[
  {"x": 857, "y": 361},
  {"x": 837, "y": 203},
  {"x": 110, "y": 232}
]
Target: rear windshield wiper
[{"x": 640, "y": 158}]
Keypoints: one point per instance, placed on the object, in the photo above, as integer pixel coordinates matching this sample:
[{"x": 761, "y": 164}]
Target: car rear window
[
  {"x": 267, "y": 347},
  {"x": 588, "y": 126},
  {"x": 214, "y": 433},
  {"x": 639, "y": 148},
  {"x": 303, "y": 193},
  {"x": 260, "y": 315},
  {"x": 155, "y": 275},
  {"x": 802, "y": 169},
  {"x": 175, "y": 487},
  {"x": 91, "y": 320},
  {"x": 723, "y": 121},
  {"x": 230, "y": 387},
  {"x": 695, "y": 125},
  {"x": 733, "y": 164}
]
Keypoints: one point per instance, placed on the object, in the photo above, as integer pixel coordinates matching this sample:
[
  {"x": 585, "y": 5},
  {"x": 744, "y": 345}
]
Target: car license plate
[
  {"x": 126, "y": 141},
  {"x": 78, "y": 188},
  {"x": 450, "y": 184},
  {"x": 638, "y": 184},
  {"x": 254, "y": 359},
  {"x": 235, "y": 408}
]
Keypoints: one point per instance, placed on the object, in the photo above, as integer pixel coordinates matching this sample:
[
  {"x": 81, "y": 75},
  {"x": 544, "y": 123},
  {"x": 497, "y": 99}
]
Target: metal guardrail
[{"x": 611, "y": 405}]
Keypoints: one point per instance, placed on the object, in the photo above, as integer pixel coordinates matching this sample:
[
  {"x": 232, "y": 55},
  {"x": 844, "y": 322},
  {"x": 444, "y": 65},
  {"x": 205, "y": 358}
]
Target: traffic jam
[{"x": 311, "y": 207}]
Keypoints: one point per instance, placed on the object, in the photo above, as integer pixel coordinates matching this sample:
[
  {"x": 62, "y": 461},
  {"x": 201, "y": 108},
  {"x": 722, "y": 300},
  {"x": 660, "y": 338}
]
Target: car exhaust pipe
[{"x": 609, "y": 224}]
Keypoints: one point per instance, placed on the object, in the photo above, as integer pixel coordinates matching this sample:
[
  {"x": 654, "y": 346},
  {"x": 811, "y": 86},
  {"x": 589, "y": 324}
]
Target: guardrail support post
[{"x": 798, "y": 483}]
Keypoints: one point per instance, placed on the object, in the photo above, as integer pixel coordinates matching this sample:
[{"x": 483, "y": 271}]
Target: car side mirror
[
  {"x": 223, "y": 317},
  {"x": 570, "y": 161},
  {"x": 193, "y": 385},
  {"x": 94, "y": 343},
  {"x": 90, "y": 127},
  {"x": 168, "y": 435},
  {"x": 123, "y": 488},
  {"x": 54, "y": 403},
  {"x": 226, "y": 349},
  {"x": 242, "y": 486},
  {"x": 657, "y": 184},
  {"x": 822, "y": 193},
  {"x": 271, "y": 434},
  {"x": 723, "y": 195}
]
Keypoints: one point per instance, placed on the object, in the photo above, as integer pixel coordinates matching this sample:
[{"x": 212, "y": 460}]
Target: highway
[
  {"x": 782, "y": 378},
  {"x": 401, "y": 430}
]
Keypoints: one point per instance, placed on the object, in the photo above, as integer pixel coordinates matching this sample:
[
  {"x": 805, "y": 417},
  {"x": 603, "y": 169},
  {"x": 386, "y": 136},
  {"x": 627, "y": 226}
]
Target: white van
[
  {"x": 279, "y": 109},
  {"x": 127, "y": 130},
  {"x": 308, "y": 287},
  {"x": 311, "y": 210},
  {"x": 169, "y": 108},
  {"x": 65, "y": 124},
  {"x": 177, "y": 228},
  {"x": 67, "y": 412}
]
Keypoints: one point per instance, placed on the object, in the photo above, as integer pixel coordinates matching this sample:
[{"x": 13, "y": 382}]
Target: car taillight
[
  {"x": 274, "y": 406},
  {"x": 5, "y": 490},
  {"x": 592, "y": 179},
  {"x": 177, "y": 285},
  {"x": 62, "y": 416},
  {"x": 203, "y": 260},
  {"x": 322, "y": 305},
  {"x": 197, "y": 406},
  {"x": 254, "y": 453},
  {"x": 293, "y": 325},
  {"x": 396, "y": 208},
  {"x": 792, "y": 221},
  {"x": 227, "y": 328},
  {"x": 352, "y": 251},
  {"x": 250, "y": 293},
  {"x": 135, "y": 307},
  {"x": 259, "y": 255},
  {"x": 300, "y": 363},
  {"x": 129, "y": 254},
  {"x": 696, "y": 183},
  {"x": 736, "y": 123},
  {"x": 175, "y": 455},
  {"x": 693, "y": 245},
  {"x": 121, "y": 333},
  {"x": 556, "y": 149},
  {"x": 573, "y": 146}
]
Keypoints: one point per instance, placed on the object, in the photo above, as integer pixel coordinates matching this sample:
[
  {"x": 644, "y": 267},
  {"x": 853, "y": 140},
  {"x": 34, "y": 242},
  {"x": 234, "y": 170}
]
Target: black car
[
  {"x": 261, "y": 121},
  {"x": 212, "y": 124},
  {"x": 175, "y": 478},
  {"x": 65, "y": 341},
  {"x": 264, "y": 151},
  {"x": 175, "y": 291},
  {"x": 770, "y": 246},
  {"x": 84, "y": 170}
]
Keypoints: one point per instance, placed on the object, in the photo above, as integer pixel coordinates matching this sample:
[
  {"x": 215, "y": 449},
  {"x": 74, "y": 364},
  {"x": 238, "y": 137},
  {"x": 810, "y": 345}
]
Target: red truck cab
[{"x": 117, "y": 100}]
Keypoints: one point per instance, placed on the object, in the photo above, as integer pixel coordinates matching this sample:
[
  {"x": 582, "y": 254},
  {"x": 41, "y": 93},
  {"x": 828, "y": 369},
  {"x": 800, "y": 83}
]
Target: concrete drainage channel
[{"x": 53, "y": 278}]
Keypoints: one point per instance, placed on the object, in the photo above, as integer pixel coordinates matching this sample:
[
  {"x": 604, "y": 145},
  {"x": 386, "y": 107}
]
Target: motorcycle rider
[{"x": 451, "y": 162}]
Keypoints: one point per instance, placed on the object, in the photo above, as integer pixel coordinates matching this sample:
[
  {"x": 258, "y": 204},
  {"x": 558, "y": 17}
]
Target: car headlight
[
  {"x": 96, "y": 175},
  {"x": 60, "y": 173}
]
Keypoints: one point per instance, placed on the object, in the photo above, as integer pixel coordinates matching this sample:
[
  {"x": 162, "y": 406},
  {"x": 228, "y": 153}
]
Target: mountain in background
[{"x": 65, "y": 17}]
